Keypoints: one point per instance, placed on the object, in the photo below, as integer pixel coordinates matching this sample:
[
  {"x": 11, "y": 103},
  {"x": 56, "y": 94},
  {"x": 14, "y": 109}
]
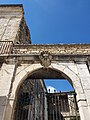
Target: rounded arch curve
[{"x": 64, "y": 69}]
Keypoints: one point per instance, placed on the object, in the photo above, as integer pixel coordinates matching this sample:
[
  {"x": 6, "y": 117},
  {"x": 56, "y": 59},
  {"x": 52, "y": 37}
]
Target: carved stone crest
[{"x": 45, "y": 59}]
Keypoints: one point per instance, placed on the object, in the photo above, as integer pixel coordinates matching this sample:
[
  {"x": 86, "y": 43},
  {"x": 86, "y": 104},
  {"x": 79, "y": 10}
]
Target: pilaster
[
  {"x": 6, "y": 78},
  {"x": 84, "y": 99}
]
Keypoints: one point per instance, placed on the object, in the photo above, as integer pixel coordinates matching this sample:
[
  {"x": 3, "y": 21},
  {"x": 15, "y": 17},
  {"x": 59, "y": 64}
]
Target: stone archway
[
  {"x": 72, "y": 60},
  {"x": 68, "y": 70}
]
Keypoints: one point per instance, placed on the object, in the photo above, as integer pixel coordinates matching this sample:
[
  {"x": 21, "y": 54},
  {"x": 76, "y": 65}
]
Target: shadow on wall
[
  {"x": 0, "y": 64},
  {"x": 4, "y": 108}
]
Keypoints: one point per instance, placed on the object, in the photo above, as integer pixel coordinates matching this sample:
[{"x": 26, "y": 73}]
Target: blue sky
[
  {"x": 56, "y": 21},
  {"x": 59, "y": 84}
]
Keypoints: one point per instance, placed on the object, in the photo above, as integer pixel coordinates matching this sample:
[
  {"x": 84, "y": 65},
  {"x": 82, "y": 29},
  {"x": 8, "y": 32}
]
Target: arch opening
[
  {"x": 27, "y": 94},
  {"x": 49, "y": 73}
]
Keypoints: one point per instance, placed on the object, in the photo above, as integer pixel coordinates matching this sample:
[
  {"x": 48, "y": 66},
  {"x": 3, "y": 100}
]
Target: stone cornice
[
  {"x": 51, "y": 53},
  {"x": 11, "y": 10},
  {"x": 56, "y": 49}
]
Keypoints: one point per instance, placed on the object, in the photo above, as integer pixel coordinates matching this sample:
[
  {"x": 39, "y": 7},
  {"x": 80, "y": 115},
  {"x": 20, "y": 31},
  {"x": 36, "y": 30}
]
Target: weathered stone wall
[
  {"x": 6, "y": 77},
  {"x": 77, "y": 74},
  {"x": 12, "y": 24},
  {"x": 23, "y": 35},
  {"x": 61, "y": 49},
  {"x": 12, "y": 28}
]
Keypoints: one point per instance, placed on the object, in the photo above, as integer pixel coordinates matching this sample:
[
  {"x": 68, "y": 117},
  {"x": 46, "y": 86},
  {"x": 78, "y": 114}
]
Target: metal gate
[
  {"x": 29, "y": 104},
  {"x": 62, "y": 106}
]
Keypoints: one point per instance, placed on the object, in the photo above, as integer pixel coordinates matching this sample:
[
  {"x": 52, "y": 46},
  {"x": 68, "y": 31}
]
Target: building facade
[{"x": 20, "y": 60}]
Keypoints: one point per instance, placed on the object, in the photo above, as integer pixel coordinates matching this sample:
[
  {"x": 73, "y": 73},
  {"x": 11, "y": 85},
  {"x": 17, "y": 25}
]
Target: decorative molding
[{"x": 60, "y": 49}]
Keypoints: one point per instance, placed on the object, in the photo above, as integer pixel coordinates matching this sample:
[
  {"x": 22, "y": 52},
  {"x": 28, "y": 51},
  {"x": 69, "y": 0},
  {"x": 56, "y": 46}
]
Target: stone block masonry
[
  {"x": 12, "y": 24},
  {"x": 72, "y": 62}
]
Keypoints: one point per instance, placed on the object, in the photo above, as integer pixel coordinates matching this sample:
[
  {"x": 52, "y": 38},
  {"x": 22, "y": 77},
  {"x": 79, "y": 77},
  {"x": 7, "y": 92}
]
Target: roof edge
[{"x": 11, "y": 5}]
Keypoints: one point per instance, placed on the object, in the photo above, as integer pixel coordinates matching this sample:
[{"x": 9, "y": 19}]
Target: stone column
[
  {"x": 84, "y": 98},
  {"x": 6, "y": 77}
]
